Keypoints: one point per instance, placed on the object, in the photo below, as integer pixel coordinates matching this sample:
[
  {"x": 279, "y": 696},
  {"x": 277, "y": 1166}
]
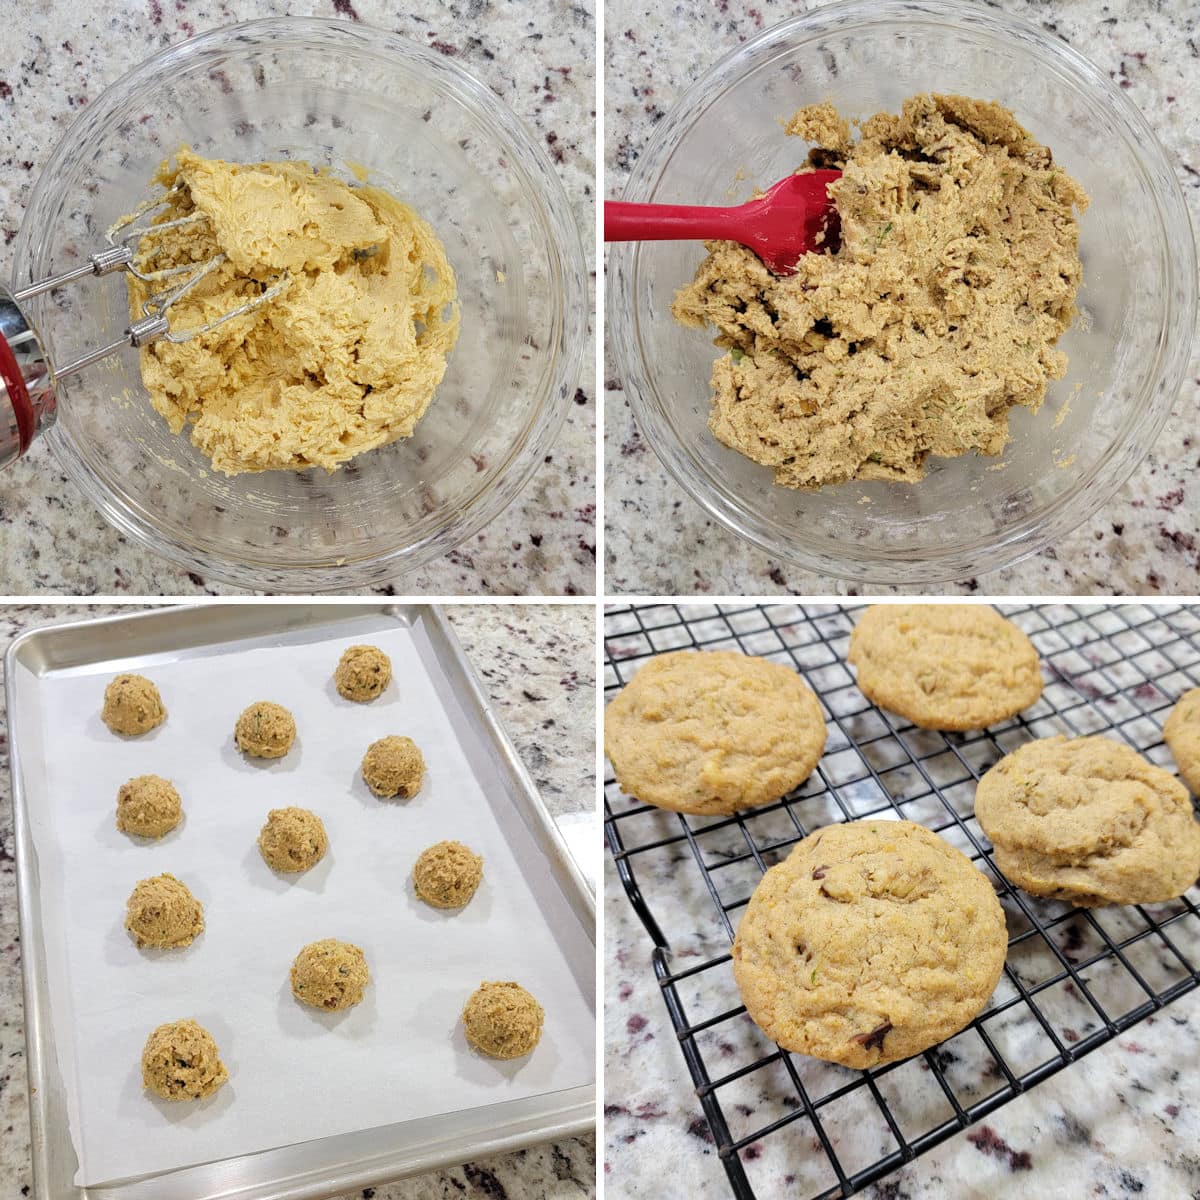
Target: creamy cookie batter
[
  {"x": 345, "y": 359},
  {"x": 180, "y": 1062},
  {"x": 956, "y": 276},
  {"x": 148, "y": 806}
]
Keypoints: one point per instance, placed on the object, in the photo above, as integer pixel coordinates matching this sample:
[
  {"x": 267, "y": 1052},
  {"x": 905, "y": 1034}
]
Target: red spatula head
[{"x": 795, "y": 216}]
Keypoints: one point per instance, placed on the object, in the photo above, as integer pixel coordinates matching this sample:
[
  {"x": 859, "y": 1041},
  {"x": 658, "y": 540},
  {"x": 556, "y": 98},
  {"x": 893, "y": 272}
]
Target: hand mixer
[{"x": 28, "y": 379}]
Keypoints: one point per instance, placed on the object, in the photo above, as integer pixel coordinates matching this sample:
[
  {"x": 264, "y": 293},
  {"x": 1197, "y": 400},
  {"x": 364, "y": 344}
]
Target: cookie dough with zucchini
[{"x": 937, "y": 315}]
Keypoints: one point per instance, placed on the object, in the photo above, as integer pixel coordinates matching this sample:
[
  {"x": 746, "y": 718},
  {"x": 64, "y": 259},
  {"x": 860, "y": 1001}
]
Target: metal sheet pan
[{"x": 310, "y": 1169}]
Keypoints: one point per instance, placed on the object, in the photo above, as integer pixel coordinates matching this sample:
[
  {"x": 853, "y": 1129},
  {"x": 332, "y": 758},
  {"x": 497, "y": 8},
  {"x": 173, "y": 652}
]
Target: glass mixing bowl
[
  {"x": 1127, "y": 350},
  {"x": 346, "y": 97}
]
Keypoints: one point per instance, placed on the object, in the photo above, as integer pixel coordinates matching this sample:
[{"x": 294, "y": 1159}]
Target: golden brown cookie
[
  {"x": 447, "y": 874},
  {"x": 393, "y": 766},
  {"x": 1182, "y": 735},
  {"x": 330, "y": 975},
  {"x": 265, "y": 730},
  {"x": 362, "y": 673},
  {"x": 871, "y": 941},
  {"x": 180, "y": 1062},
  {"x": 1089, "y": 820},
  {"x": 163, "y": 912},
  {"x": 293, "y": 839},
  {"x": 944, "y": 666},
  {"x": 502, "y": 1019},
  {"x": 713, "y": 731},
  {"x": 148, "y": 806},
  {"x": 132, "y": 706}
]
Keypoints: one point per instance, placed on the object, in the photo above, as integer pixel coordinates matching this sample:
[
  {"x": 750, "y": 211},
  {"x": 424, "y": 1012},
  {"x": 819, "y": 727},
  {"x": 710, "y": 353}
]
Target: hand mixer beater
[{"x": 28, "y": 379}]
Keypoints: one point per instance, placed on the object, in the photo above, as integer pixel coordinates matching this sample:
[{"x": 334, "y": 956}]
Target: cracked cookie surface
[
  {"x": 712, "y": 731},
  {"x": 872, "y": 941},
  {"x": 956, "y": 275},
  {"x": 944, "y": 666},
  {"x": 1090, "y": 821},
  {"x": 1182, "y": 735}
]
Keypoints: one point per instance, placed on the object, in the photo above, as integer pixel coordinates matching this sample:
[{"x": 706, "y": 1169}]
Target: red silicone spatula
[{"x": 779, "y": 226}]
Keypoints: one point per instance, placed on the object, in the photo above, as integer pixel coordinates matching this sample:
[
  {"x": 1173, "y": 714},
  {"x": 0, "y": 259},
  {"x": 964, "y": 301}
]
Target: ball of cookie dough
[
  {"x": 502, "y": 1019},
  {"x": 180, "y": 1062},
  {"x": 148, "y": 806},
  {"x": 163, "y": 912},
  {"x": 447, "y": 874},
  {"x": 330, "y": 975},
  {"x": 362, "y": 673},
  {"x": 293, "y": 839},
  {"x": 265, "y": 730},
  {"x": 393, "y": 766},
  {"x": 132, "y": 705}
]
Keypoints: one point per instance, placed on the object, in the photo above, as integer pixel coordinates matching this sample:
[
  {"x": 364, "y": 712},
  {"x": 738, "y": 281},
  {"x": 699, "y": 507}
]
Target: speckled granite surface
[
  {"x": 536, "y": 662},
  {"x": 1124, "y": 1121},
  {"x": 538, "y": 56},
  {"x": 1146, "y": 541}
]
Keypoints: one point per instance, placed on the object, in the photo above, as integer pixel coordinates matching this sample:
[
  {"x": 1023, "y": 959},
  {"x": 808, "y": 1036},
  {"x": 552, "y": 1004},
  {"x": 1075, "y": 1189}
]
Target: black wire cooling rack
[{"x": 1074, "y": 978}]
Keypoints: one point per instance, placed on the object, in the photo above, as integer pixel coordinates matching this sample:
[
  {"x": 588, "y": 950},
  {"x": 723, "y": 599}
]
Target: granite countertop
[
  {"x": 537, "y": 56},
  {"x": 536, "y": 663},
  {"x": 1124, "y": 1121},
  {"x": 1145, "y": 541}
]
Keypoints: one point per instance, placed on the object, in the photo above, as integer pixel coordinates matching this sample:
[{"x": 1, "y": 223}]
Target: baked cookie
[
  {"x": 1089, "y": 820},
  {"x": 713, "y": 731},
  {"x": 944, "y": 666},
  {"x": 872, "y": 941},
  {"x": 1182, "y": 735}
]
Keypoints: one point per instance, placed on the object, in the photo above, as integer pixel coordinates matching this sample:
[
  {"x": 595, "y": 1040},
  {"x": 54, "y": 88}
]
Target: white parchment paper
[{"x": 295, "y": 1074}]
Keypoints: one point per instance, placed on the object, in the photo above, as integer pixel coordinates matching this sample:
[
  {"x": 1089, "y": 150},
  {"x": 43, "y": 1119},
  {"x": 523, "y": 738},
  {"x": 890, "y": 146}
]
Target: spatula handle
[{"x": 625, "y": 222}]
